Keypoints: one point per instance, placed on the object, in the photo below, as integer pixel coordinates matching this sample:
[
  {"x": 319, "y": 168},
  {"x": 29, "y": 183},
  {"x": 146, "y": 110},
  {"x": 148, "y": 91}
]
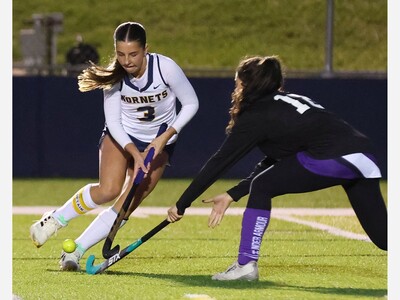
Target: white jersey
[{"x": 138, "y": 106}]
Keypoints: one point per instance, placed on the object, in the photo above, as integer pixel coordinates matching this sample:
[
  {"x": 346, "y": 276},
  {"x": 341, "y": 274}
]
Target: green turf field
[
  {"x": 297, "y": 261},
  {"x": 55, "y": 191}
]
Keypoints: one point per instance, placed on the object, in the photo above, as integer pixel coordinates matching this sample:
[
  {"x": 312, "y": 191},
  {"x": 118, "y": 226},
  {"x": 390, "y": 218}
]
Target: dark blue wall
[{"x": 56, "y": 128}]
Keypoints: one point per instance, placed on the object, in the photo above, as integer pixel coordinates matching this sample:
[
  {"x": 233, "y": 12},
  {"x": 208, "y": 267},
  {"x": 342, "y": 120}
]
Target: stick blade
[
  {"x": 90, "y": 268},
  {"x": 107, "y": 252}
]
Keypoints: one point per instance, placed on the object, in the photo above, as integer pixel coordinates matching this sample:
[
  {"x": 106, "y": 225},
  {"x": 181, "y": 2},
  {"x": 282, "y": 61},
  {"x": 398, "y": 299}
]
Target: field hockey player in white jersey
[{"x": 141, "y": 91}]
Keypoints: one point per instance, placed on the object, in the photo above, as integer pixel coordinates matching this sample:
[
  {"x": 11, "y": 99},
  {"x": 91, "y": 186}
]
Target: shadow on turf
[{"x": 205, "y": 280}]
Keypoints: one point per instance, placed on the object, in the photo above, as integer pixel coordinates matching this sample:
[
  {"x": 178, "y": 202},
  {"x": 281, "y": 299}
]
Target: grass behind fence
[{"x": 217, "y": 33}]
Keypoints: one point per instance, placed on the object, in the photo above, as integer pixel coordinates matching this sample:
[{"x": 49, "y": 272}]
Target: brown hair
[
  {"x": 98, "y": 77},
  {"x": 260, "y": 76}
]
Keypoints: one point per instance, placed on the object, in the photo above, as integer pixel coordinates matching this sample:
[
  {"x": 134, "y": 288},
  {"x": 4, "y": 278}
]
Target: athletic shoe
[
  {"x": 43, "y": 229},
  {"x": 247, "y": 272},
  {"x": 70, "y": 261}
]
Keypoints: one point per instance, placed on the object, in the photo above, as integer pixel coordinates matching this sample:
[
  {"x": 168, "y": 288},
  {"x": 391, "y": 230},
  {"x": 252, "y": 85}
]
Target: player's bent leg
[
  {"x": 113, "y": 166},
  {"x": 148, "y": 184},
  {"x": 368, "y": 204},
  {"x": 43, "y": 229}
]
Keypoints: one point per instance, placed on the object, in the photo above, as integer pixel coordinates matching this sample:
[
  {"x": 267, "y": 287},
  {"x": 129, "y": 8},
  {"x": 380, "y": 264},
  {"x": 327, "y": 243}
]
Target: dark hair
[
  {"x": 260, "y": 76},
  {"x": 130, "y": 31},
  {"x": 97, "y": 77}
]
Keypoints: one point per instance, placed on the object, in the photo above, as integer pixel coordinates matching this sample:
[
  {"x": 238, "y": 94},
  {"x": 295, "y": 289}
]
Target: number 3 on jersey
[
  {"x": 301, "y": 103},
  {"x": 148, "y": 113}
]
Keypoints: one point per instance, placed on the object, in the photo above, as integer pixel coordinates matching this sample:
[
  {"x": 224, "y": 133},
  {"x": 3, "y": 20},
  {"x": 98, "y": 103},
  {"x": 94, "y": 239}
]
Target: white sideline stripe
[
  {"x": 197, "y": 211},
  {"x": 329, "y": 229},
  {"x": 285, "y": 214}
]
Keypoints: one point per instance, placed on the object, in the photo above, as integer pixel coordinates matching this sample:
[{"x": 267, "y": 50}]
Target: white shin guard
[{"x": 97, "y": 230}]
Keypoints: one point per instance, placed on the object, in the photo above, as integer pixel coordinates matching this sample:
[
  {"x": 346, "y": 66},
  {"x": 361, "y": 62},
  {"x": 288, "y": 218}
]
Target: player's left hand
[
  {"x": 158, "y": 146},
  {"x": 159, "y": 142},
  {"x": 221, "y": 204}
]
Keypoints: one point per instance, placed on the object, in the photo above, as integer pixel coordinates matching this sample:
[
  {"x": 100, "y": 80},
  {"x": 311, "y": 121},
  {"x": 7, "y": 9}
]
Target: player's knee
[
  {"x": 260, "y": 195},
  {"x": 109, "y": 193}
]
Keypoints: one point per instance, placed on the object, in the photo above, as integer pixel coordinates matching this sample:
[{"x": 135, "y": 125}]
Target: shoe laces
[
  {"x": 45, "y": 220},
  {"x": 232, "y": 267}
]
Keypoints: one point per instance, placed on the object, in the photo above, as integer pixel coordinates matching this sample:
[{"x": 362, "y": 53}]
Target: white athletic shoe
[
  {"x": 43, "y": 229},
  {"x": 70, "y": 261},
  {"x": 247, "y": 272}
]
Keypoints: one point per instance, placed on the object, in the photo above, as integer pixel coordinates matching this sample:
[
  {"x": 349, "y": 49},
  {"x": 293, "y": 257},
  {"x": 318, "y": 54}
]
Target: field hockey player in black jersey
[{"x": 306, "y": 148}]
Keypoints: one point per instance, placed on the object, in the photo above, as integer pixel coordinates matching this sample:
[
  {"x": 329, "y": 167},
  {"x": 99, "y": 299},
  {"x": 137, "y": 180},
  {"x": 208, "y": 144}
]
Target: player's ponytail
[
  {"x": 98, "y": 77},
  {"x": 259, "y": 76}
]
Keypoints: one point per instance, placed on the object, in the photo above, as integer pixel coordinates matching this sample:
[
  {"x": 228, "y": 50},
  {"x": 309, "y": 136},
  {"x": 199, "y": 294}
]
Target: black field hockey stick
[
  {"x": 96, "y": 269},
  {"x": 107, "y": 251}
]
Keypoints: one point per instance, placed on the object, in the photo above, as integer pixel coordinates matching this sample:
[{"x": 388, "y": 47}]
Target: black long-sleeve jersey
[{"x": 280, "y": 125}]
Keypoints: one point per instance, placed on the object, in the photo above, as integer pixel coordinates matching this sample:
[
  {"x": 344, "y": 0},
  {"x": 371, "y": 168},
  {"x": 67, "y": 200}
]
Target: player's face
[{"x": 132, "y": 57}]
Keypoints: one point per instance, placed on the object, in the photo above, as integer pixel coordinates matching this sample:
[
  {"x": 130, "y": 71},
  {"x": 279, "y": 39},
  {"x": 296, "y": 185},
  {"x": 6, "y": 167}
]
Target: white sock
[
  {"x": 79, "y": 204},
  {"x": 97, "y": 230}
]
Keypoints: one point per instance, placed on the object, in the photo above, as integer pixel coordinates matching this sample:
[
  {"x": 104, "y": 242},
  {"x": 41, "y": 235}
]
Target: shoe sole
[
  {"x": 35, "y": 242},
  {"x": 236, "y": 279},
  {"x": 242, "y": 278}
]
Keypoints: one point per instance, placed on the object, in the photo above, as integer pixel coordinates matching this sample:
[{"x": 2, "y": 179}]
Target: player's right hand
[
  {"x": 138, "y": 158},
  {"x": 173, "y": 215}
]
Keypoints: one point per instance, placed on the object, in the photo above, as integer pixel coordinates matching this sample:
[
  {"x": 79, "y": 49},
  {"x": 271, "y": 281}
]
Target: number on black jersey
[{"x": 301, "y": 103}]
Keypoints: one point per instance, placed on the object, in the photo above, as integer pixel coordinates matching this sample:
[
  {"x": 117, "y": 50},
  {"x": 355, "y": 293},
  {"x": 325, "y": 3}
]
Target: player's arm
[
  {"x": 159, "y": 142},
  {"x": 243, "y": 187},
  {"x": 184, "y": 91},
  {"x": 238, "y": 143},
  {"x": 112, "y": 114}
]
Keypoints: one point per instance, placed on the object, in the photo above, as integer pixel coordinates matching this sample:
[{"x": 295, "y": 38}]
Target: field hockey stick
[
  {"x": 107, "y": 251},
  {"x": 96, "y": 269}
]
